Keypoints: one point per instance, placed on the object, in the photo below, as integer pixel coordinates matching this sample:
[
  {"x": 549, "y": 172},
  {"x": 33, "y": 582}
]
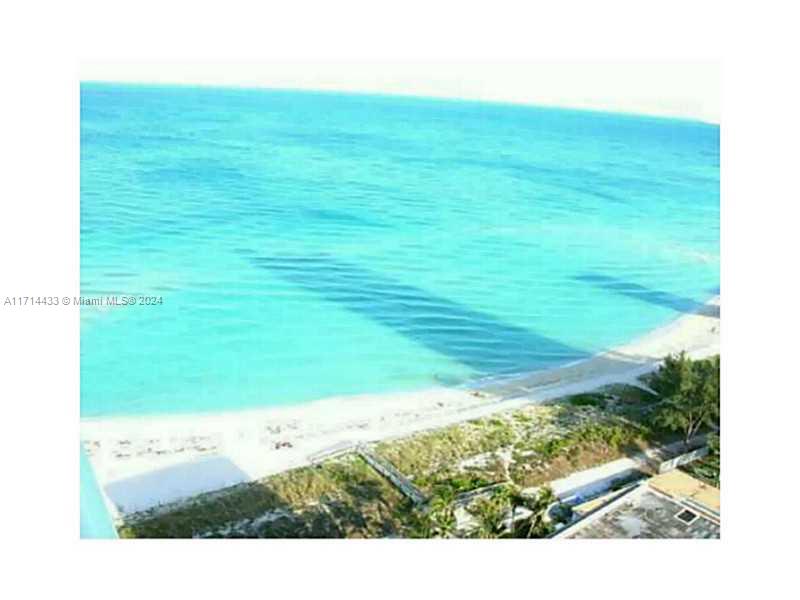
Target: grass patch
[
  {"x": 452, "y": 481},
  {"x": 585, "y": 446},
  {"x": 431, "y": 451},
  {"x": 630, "y": 394},
  {"x": 596, "y": 400},
  {"x": 340, "y": 498},
  {"x": 529, "y": 446}
]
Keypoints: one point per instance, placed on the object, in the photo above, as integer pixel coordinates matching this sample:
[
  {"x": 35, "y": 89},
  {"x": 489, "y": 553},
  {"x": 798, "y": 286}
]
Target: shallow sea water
[{"x": 307, "y": 245}]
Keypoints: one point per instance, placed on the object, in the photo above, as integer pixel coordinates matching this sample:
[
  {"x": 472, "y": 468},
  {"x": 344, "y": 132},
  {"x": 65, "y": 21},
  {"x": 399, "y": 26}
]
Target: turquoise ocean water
[{"x": 306, "y": 245}]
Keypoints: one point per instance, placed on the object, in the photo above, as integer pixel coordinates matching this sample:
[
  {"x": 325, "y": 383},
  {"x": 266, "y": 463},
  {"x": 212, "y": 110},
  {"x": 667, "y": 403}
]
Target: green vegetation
[
  {"x": 491, "y": 513},
  {"x": 501, "y": 512},
  {"x": 437, "y": 520},
  {"x": 432, "y": 450},
  {"x": 602, "y": 440},
  {"x": 706, "y": 469},
  {"x": 450, "y": 481},
  {"x": 690, "y": 393},
  {"x": 529, "y": 446},
  {"x": 346, "y": 498},
  {"x": 524, "y": 448},
  {"x": 341, "y": 498},
  {"x": 497, "y": 514},
  {"x": 587, "y": 400},
  {"x": 535, "y": 524}
]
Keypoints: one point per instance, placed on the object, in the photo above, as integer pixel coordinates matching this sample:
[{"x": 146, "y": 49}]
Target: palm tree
[
  {"x": 535, "y": 524},
  {"x": 441, "y": 516},
  {"x": 437, "y": 519},
  {"x": 492, "y": 514}
]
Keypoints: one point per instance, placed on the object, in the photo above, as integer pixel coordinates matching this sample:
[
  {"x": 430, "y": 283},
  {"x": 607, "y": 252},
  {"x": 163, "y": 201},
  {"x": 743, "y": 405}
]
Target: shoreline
[{"x": 145, "y": 461}]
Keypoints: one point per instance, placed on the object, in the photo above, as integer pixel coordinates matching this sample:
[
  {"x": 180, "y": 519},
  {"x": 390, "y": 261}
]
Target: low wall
[{"x": 682, "y": 459}]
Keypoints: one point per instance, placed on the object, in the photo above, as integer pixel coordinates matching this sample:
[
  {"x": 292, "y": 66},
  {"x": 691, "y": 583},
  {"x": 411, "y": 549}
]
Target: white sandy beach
[{"x": 142, "y": 462}]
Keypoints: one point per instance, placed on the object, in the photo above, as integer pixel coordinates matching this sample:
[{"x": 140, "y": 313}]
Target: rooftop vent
[{"x": 687, "y": 517}]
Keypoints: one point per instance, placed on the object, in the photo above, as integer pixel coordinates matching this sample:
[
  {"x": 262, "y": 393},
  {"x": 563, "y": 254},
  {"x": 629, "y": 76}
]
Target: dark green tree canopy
[{"x": 691, "y": 394}]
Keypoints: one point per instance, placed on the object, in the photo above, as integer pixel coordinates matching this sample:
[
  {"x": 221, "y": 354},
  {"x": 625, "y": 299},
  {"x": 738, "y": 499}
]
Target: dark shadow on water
[
  {"x": 483, "y": 342},
  {"x": 646, "y": 294}
]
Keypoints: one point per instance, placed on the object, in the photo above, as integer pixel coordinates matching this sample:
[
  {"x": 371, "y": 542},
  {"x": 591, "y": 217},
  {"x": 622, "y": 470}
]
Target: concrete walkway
[{"x": 586, "y": 484}]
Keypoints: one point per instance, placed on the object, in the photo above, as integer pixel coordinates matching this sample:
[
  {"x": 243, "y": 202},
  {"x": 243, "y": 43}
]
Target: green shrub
[{"x": 586, "y": 400}]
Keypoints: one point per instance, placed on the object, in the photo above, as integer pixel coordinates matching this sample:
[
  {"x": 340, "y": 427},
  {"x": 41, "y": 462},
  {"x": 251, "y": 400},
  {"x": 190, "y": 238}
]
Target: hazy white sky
[{"x": 687, "y": 89}]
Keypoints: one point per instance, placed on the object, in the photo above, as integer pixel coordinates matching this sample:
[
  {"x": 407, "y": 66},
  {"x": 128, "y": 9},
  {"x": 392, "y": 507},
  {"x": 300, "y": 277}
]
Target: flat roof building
[{"x": 671, "y": 505}]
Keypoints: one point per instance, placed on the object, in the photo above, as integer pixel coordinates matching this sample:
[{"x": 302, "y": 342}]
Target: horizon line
[
  {"x": 688, "y": 90},
  {"x": 577, "y": 107}
]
